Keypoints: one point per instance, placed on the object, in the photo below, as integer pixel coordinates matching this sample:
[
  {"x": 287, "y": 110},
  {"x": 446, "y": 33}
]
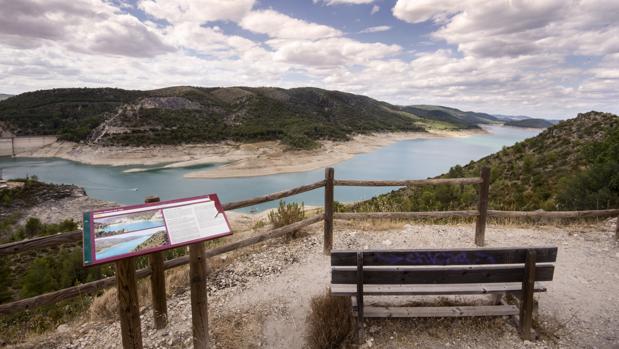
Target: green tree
[
  {"x": 5, "y": 282},
  {"x": 40, "y": 278},
  {"x": 33, "y": 227}
]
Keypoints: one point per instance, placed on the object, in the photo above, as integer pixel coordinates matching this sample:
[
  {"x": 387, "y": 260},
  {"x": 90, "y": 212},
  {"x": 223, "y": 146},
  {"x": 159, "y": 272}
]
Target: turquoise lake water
[
  {"x": 411, "y": 159},
  {"x": 129, "y": 227},
  {"x": 122, "y": 248}
]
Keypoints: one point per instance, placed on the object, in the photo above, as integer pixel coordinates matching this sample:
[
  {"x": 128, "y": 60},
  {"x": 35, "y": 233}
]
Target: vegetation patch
[
  {"x": 330, "y": 321},
  {"x": 570, "y": 166},
  {"x": 286, "y": 214}
]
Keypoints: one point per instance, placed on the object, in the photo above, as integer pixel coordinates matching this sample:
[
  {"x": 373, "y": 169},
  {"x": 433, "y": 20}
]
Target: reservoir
[{"x": 411, "y": 159}]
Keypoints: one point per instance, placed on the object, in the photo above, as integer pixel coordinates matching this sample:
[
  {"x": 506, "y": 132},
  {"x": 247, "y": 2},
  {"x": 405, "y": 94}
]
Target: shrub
[
  {"x": 329, "y": 322},
  {"x": 287, "y": 214}
]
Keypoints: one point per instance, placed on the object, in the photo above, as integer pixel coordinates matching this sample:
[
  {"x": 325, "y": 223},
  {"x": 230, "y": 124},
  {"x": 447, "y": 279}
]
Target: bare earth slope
[{"x": 262, "y": 298}]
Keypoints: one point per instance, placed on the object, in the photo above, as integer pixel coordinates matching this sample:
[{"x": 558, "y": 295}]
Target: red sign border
[{"x": 213, "y": 197}]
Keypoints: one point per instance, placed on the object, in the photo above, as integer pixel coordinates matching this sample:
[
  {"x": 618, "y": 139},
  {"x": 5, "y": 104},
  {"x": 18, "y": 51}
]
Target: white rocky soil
[{"x": 261, "y": 299}]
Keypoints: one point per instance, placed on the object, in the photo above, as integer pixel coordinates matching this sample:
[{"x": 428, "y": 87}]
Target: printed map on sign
[{"x": 123, "y": 232}]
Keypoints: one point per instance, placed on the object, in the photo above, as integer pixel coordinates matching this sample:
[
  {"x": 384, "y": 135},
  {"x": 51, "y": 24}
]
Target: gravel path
[{"x": 261, "y": 299}]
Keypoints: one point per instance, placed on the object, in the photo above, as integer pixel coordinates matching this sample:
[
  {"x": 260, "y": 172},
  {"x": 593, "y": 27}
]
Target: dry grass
[
  {"x": 330, "y": 321},
  {"x": 390, "y": 224},
  {"x": 105, "y": 306},
  {"x": 238, "y": 330}
]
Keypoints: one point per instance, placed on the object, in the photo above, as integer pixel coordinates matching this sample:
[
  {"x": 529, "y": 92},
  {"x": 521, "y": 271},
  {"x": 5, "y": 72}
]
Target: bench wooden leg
[
  {"x": 526, "y": 304},
  {"x": 360, "y": 331},
  {"x": 498, "y": 298}
]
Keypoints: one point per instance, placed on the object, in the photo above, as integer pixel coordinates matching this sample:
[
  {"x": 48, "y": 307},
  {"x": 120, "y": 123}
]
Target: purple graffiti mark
[{"x": 436, "y": 258}]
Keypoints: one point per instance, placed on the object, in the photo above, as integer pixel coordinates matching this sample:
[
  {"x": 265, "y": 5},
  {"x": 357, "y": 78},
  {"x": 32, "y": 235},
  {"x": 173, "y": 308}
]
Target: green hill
[
  {"x": 573, "y": 165},
  {"x": 530, "y": 123},
  {"x": 175, "y": 115},
  {"x": 453, "y": 115}
]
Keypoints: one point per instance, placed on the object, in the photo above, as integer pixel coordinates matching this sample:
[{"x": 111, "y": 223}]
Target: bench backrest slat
[
  {"x": 470, "y": 256},
  {"x": 439, "y": 275}
]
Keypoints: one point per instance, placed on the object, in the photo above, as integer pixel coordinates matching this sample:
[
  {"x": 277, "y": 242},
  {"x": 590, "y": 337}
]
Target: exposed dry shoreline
[{"x": 236, "y": 159}]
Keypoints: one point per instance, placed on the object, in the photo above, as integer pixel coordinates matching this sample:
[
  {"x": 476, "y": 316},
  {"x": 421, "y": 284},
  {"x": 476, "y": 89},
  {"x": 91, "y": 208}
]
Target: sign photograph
[{"x": 122, "y": 232}]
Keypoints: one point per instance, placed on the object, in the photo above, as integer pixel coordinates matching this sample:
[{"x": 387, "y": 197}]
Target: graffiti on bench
[{"x": 436, "y": 258}]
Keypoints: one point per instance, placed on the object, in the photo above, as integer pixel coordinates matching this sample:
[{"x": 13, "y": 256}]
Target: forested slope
[{"x": 573, "y": 165}]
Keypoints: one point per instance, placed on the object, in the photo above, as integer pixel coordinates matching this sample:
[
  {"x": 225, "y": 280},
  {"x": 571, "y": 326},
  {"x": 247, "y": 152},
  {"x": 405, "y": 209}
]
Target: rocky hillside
[
  {"x": 570, "y": 166},
  {"x": 177, "y": 115}
]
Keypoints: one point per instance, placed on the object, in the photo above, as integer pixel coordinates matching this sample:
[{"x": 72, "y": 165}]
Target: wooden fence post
[
  {"x": 526, "y": 303},
  {"x": 128, "y": 306},
  {"x": 617, "y": 228},
  {"x": 359, "y": 297},
  {"x": 157, "y": 283},
  {"x": 199, "y": 304},
  {"x": 328, "y": 224},
  {"x": 482, "y": 207}
]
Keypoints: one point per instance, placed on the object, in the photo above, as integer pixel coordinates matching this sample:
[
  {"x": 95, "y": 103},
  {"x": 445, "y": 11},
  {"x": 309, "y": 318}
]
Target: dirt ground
[{"x": 261, "y": 299}]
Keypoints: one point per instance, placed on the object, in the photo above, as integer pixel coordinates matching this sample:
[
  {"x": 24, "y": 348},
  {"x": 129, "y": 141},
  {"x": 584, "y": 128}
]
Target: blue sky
[{"x": 546, "y": 58}]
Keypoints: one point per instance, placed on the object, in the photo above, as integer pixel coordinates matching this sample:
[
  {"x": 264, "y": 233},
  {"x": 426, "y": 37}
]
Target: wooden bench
[{"x": 472, "y": 271}]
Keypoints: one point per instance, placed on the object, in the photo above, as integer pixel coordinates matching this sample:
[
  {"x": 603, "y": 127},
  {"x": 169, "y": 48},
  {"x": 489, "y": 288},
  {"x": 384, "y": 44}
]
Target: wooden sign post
[
  {"x": 328, "y": 225},
  {"x": 482, "y": 207},
  {"x": 128, "y": 304},
  {"x": 199, "y": 304},
  {"x": 157, "y": 283}
]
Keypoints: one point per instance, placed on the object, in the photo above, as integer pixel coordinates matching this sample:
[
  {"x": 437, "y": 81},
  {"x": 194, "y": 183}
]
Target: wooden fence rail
[
  {"x": 94, "y": 286},
  {"x": 273, "y": 196},
  {"x": 554, "y": 214},
  {"x": 405, "y": 215},
  {"x": 40, "y": 242},
  {"x": 404, "y": 183}
]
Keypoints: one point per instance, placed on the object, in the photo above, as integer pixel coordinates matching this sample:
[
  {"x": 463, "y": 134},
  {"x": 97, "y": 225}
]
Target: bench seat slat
[
  {"x": 463, "y": 256},
  {"x": 445, "y": 275},
  {"x": 457, "y": 311},
  {"x": 420, "y": 290}
]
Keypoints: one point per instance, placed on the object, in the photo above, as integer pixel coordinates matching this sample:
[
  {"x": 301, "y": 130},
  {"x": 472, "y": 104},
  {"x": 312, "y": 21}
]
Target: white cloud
[
  {"x": 344, "y": 2},
  {"x": 278, "y": 25},
  {"x": 200, "y": 11},
  {"x": 377, "y": 29},
  {"x": 522, "y": 27},
  {"x": 375, "y": 9},
  {"x": 207, "y": 40},
  {"x": 416, "y": 11},
  {"x": 330, "y": 52},
  {"x": 80, "y": 25}
]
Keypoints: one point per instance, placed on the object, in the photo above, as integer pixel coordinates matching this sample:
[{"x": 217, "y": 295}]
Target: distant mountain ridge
[
  {"x": 177, "y": 115},
  {"x": 299, "y": 117},
  {"x": 454, "y": 115},
  {"x": 529, "y": 123},
  {"x": 4, "y": 96}
]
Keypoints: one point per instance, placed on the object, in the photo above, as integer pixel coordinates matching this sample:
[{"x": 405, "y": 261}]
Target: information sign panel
[{"x": 122, "y": 232}]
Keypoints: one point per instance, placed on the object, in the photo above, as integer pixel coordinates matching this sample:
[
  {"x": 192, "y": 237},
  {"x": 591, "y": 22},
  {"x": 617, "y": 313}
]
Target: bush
[
  {"x": 329, "y": 322},
  {"x": 287, "y": 214},
  {"x": 34, "y": 227}
]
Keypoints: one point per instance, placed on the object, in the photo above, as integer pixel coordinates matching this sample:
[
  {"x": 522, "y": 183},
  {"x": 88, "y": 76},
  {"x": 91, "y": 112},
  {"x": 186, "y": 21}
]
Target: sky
[{"x": 542, "y": 58}]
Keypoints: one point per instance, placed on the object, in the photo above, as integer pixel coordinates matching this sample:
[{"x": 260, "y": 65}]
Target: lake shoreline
[{"x": 234, "y": 159}]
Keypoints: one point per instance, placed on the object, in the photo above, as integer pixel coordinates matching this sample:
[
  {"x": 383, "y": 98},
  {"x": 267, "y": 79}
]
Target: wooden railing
[{"x": 327, "y": 217}]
